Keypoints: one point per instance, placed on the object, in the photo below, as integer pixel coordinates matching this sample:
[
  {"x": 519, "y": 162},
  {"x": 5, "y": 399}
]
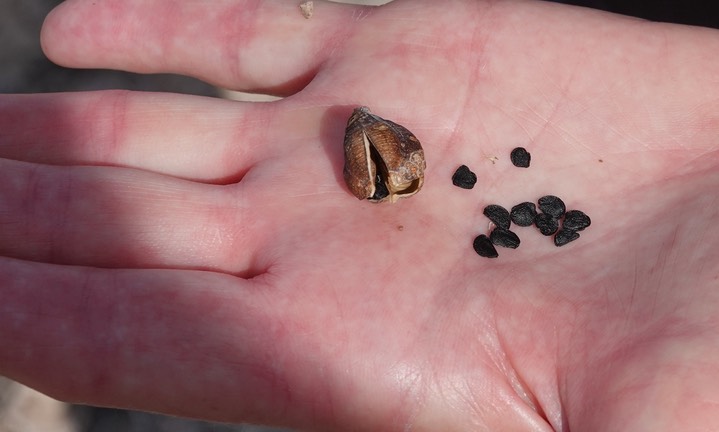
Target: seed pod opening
[{"x": 383, "y": 160}]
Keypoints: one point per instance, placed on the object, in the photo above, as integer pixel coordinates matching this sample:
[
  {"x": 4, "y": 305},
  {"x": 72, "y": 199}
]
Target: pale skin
[{"x": 203, "y": 257}]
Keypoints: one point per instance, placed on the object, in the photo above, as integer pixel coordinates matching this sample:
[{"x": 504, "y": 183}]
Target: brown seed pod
[{"x": 383, "y": 160}]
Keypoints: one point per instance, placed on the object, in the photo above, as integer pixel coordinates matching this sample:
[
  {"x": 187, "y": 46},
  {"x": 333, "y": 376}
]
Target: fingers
[
  {"x": 113, "y": 217},
  {"x": 181, "y": 342},
  {"x": 118, "y": 217},
  {"x": 262, "y": 46},
  {"x": 199, "y": 138},
  {"x": 195, "y": 344}
]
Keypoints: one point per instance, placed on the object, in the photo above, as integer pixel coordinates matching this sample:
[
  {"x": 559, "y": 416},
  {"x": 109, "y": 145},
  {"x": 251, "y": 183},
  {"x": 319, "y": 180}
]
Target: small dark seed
[
  {"x": 498, "y": 214},
  {"x": 552, "y": 205},
  {"x": 523, "y": 214},
  {"x": 484, "y": 247},
  {"x": 380, "y": 189},
  {"x": 464, "y": 177},
  {"x": 565, "y": 236},
  {"x": 520, "y": 157},
  {"x": 576, "y": 220},
  {"x": 504, "y": 237},
  {"x": 546, "y": 223}
]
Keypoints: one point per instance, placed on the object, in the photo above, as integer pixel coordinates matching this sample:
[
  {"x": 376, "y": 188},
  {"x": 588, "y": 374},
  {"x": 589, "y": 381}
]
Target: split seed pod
[{"x": 383, "y": 160}]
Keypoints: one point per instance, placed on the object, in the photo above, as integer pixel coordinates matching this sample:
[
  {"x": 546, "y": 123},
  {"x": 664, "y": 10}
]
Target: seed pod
[{"x": 383, "y": 160}]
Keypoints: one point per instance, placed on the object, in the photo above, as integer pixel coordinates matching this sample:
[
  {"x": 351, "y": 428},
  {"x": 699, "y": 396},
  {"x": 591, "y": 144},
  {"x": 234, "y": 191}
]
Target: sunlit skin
[{"x": 204, "y": 258}]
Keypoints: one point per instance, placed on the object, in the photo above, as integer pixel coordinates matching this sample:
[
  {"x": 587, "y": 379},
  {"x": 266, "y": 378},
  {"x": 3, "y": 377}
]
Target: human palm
[{"x": 204, "y": 258}]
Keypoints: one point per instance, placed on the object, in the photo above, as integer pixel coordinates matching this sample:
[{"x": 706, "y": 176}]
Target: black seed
[
  {"x": 498, "y": 214},
  {"x": 380, "y": 189},
  {"x": 576, "y": 220},
  {"x": 504, "y": 237},
  {"x": 546, "y": 223},
  {"x": 464, "y": 178},
  {"x": 484, "y": 247},
  {"x": 552, "y": 205},
  {"x": 520, "y": 157},
  {"x": 565, "y": 236},
  {"x": 523, "y": 214}
]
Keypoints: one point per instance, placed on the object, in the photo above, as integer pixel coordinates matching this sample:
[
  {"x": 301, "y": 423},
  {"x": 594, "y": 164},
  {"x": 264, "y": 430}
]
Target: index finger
[{"x": 263, "y": 46}]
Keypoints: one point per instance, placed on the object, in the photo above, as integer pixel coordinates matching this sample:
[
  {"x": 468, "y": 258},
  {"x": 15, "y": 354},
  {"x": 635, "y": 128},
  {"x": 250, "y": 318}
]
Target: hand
[{"x": 204, "y": 258}]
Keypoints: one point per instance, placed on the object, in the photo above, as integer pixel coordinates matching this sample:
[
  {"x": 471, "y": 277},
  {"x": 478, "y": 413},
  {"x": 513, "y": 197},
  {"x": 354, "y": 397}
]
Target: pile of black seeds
[{"x": 552, "y": 219}]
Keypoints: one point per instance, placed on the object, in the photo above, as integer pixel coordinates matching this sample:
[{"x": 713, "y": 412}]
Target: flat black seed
[
  {"x": 565, "y": 236},
  {"x": 484, "y": 247},
  {"x": 520, "y": 157},
  {"x": 504, "y": 237},
  {"x": 380, "y": 189},
  {"x": 499, "y": 215},
  {"x": 464, "y": 177},
  {"x": 576, "y": 220},
  {"x": 546, "y": 223},
  {"x": 523, "y": 214},
  {"x": 552, "y": 205}
]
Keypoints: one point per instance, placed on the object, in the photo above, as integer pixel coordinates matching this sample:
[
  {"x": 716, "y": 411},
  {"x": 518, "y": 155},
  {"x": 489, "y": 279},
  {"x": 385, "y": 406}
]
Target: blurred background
[{"x": 26, "y": 70}]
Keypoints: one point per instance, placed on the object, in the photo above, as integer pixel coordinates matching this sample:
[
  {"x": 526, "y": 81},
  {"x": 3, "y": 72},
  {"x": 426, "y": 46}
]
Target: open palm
[{"x": 204, "y": 258}]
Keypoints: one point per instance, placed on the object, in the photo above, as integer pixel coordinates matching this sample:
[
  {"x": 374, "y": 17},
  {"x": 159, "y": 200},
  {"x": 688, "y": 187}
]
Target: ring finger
[{"x": 118, "y": 217}]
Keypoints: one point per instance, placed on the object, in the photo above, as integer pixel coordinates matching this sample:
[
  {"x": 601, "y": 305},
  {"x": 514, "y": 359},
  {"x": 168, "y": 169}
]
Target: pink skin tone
[{"x": 204, "y": 258}]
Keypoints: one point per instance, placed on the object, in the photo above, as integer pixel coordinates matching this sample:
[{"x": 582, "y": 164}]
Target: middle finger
[{"x": 204, "y": 139}]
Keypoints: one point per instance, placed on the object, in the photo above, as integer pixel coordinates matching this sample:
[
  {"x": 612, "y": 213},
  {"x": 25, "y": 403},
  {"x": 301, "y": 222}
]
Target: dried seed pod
[{"x": 383, "y": 160}]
